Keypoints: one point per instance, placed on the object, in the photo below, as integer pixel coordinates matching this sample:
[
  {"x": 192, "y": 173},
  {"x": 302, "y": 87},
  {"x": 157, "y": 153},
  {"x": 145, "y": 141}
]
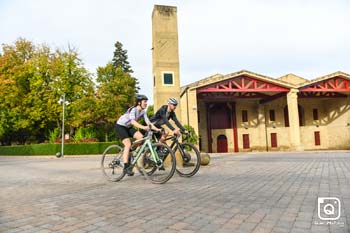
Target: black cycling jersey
[{"x": 162, "y": 117}]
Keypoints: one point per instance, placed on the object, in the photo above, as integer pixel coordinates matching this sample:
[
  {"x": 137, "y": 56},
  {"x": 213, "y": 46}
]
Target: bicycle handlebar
[
  {"x": 150, "y": 131},
  {"x": 177, "y": 136}
]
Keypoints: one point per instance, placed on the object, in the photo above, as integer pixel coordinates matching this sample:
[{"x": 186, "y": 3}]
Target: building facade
[{"x": 246, "y": 111}]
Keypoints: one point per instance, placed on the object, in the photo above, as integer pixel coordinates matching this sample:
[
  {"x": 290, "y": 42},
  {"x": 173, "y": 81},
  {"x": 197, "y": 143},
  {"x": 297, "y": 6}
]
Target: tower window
[{"x": 168, "y": 79}]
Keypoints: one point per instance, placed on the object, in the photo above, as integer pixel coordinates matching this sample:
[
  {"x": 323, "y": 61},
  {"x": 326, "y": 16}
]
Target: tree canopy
[
  {"x": 120, "y": 58},
  {"x": 34, "y": 77}
]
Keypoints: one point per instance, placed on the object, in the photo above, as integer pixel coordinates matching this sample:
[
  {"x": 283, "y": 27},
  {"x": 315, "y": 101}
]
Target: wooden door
[
  {"x": 222, "y": 144},
  {"x": 246, "y": 144},
  {"x": 317, "y": 138},
  {"x": 273, "y": 140}
]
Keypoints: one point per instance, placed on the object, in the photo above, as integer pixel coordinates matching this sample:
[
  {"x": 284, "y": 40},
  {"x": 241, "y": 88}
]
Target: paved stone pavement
[{"x": 252, "y": 192}]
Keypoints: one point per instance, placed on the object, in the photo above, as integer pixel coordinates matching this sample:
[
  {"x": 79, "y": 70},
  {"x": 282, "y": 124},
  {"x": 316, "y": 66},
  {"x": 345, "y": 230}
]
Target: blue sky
[{"x": 309, "y": 38}]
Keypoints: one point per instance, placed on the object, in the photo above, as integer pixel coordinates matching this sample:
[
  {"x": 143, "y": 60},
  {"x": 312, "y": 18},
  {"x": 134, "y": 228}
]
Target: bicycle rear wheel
[
  {"x": 188, "y": 159},
  {"x": 161, "y": 171},
  {"x": 112, "y": 163}
]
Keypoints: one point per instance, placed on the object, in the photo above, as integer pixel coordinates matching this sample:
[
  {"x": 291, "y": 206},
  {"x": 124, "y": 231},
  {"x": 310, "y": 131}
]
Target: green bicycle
[{"x": 144, "y": 157}]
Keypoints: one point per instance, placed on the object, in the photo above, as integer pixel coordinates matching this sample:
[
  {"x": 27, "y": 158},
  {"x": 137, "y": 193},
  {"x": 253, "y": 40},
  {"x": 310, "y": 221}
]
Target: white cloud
[{"x": 308, "y": 38}]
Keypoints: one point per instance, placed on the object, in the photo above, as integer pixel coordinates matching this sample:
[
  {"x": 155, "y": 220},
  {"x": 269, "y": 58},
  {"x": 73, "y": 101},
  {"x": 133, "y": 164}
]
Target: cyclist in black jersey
[{"x": 163, "y": 115}]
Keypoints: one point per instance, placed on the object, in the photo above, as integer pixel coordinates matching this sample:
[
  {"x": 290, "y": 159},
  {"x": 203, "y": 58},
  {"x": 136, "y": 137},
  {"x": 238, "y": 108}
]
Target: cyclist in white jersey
[{"x": 125, "y": 130}]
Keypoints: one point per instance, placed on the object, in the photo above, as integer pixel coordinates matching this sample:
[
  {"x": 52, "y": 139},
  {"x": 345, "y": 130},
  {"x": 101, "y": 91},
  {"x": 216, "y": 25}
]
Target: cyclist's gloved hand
[{"x": 186, "y": 132}]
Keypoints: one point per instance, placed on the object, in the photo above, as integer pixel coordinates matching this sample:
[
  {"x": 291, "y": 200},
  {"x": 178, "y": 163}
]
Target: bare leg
[
  {"x": 127, "y": 145},
  {"x": 164, "y": 135},
  {"x": 138, "y": 135}
]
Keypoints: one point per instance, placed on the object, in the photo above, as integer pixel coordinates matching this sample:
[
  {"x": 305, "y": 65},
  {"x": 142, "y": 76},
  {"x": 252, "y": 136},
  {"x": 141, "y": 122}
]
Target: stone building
[{"x": 246, "y": 111}]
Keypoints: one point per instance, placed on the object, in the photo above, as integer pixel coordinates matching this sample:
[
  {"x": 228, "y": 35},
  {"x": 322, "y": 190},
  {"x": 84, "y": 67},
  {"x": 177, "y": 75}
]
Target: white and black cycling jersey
[{"x": 132, "y": 114}]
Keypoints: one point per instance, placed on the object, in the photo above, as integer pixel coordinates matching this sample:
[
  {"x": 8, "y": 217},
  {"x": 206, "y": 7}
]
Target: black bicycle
[{"x": 188, "y": 158}]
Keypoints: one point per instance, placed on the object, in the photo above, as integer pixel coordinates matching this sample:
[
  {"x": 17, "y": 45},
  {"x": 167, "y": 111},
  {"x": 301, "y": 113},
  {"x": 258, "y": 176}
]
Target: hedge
[{"x": 52, "y": 149}]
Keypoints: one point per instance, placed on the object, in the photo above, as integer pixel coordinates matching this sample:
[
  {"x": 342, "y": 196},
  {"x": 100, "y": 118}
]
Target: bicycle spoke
[
  {"x": 111, "y": 163},
  {"x": 162, "y": 170},
  {"x": 188, "y": 160}
]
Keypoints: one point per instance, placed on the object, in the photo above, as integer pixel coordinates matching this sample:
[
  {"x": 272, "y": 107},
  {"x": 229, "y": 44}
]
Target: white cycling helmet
[{"x": 172, "y": 101}]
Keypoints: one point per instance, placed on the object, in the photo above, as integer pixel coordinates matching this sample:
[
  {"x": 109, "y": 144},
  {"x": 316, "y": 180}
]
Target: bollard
[{"x": 205, "y": 159}]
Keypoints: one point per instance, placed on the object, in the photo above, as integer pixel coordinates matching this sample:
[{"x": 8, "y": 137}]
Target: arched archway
[{"x": 221, "y": 115}]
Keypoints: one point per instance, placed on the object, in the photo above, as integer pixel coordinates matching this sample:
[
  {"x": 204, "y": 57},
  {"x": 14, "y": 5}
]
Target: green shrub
[
  {"x": 52, "y": 149},
  {"x": 34, "y": 149},
  {"x": 192, "y": 138},
  {"x": 53, "y": 135},
  {"x": 83, "y": 133}
]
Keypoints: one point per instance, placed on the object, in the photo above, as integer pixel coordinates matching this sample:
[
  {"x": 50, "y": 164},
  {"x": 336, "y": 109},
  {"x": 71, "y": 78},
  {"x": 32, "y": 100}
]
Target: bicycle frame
[
  {"x": 142, "y": 149},
  {"x": 175, "y": 142}
]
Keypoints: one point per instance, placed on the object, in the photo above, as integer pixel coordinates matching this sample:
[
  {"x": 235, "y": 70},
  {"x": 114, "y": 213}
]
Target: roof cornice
[{"x": 325, "y": 77}]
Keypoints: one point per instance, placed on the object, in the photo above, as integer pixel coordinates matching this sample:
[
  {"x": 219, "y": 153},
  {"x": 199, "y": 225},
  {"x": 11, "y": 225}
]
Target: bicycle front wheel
[
  {"x": 112, "y": 163},
  {"x": 188, "y": 159},
  {"x": 160, "y": 171}
]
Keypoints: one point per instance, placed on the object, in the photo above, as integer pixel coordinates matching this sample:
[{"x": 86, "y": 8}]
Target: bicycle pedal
[{"x": 159, "y": 163}]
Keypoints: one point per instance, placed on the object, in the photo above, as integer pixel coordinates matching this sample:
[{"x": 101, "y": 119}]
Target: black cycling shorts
[
  {"x": 124, "y": 132},
  {"x": 158, "y": 134}
]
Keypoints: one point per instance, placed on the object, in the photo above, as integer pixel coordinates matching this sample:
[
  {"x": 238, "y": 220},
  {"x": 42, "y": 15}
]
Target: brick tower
[{"x": 166, "y": 80}]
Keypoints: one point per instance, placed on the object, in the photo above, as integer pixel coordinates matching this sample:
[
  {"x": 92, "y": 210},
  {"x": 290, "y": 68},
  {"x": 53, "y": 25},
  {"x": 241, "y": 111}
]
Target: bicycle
[
  {"x": 144, "y": 157},
  {"x": 188, "y": 160}
]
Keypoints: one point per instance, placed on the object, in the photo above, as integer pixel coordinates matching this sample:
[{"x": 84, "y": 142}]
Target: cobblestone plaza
[{"x": 252, "y": 192}]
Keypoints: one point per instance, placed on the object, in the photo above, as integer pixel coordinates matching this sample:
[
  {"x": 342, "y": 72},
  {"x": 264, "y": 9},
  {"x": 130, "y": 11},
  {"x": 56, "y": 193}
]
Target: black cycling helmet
[{"x": 140, "y": 98}]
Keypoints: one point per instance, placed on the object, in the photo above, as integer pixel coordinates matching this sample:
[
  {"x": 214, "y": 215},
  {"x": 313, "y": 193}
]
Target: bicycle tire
[
  {"x": 190, "y": 161},
  {"x": 111, "y": 163},
  {"x": 158, "y": 174}
]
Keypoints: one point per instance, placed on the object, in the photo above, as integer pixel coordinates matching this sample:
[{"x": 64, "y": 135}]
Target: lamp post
[{"x": 62, "y": 101}]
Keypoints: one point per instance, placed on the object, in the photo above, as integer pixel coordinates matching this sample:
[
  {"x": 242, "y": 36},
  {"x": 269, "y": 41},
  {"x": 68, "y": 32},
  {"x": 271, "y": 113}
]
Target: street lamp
[{"x": 62, "y": 101}]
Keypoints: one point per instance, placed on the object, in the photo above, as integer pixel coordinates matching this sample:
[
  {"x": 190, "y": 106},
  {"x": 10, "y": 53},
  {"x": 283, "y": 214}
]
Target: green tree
[
  {"x": 32, "y": 78},
  {"x": 75, "y": 81},
  {"x": 57, "y": 73},
  {"x": 150, "y": 110},
  {"x": 115, "y": 94},
  {"x": 15, "y": 73},
  {"x": 120, "y": 58}
]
